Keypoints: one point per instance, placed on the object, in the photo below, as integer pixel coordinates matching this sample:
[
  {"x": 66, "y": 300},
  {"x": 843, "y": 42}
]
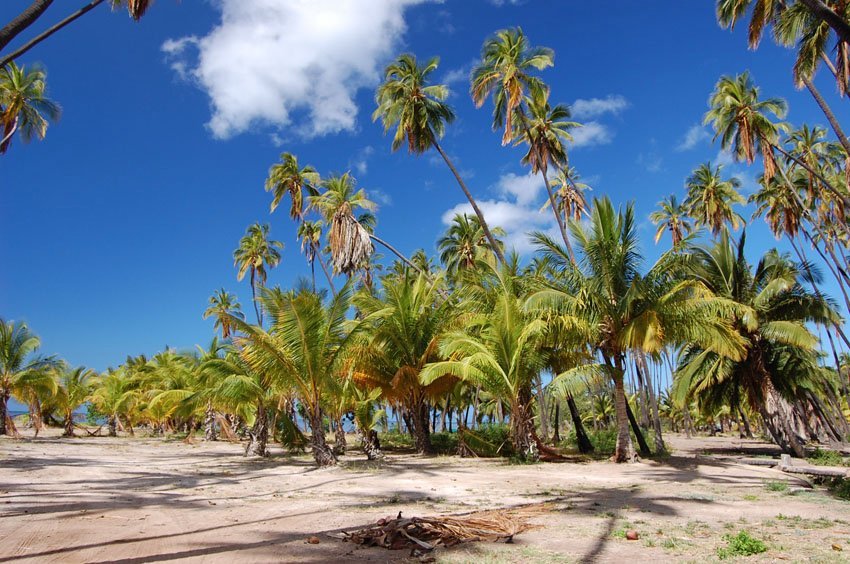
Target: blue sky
[{"x": 115, "y": 230}]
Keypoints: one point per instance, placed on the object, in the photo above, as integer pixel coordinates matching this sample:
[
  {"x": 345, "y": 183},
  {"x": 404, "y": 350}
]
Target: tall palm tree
[
  {"x": 464, "y": 243},
  {"x": 545, "y": 131},
  {"x": 770, "y": 315},
  {"x": 255, "y": 253},
  {"x": 222, "y": 304},
  {"x": 631, "y": 311},
  {"x": 287, "y": 177},
  {"x": 22, "y": 370},
  {"x": 401, "y": 331},
  {"x": 506, "y": 61},
  {"x": 418, "y": 112},
  {"x": 75, "y": 387},
  {"x": 711, "y": 199},
  {"x": 24, "y": 105},
  {"x": 310, "y": 234},
  {"x": 671, "y": 216}
]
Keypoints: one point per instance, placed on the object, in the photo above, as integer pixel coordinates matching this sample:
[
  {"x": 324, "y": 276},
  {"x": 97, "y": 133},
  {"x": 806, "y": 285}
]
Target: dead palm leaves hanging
[{"x": 350, "y": 243}]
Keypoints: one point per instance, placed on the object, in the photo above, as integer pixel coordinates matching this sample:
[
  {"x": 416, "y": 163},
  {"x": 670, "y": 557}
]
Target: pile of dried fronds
[
  {"x": 350, "y": 243},
  {"x": 424, "y": 534}
]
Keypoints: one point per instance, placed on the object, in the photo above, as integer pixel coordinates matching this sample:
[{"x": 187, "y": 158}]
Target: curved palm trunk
[
  {"x": 584, "y": 444},
  {"x": 112, "y": 425},
  {"x": 642, "y": 444},
  {"x": 48, "y": 32},
  {"x": 370, "y": 444},
  {"x": 776, "y": 414},
  {"x": 10, "y": 131},
  {"x": 653, "y": 405},
  {"x": 830, "y": 117},
  {"x": 258, "y": 435},
  {"x": 826, "y": 14},
  {"x": 486, "y": 228},
  {"x": 322, "y": 453},
  {"x": 837, "y": 193},
  {"x": 69, "y": 424},
  {"x": 23, "y": 20},
  {"x": 395, "y": 251}
]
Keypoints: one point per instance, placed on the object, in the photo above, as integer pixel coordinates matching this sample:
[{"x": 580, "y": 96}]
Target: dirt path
[{"x": 149, "y": 500}]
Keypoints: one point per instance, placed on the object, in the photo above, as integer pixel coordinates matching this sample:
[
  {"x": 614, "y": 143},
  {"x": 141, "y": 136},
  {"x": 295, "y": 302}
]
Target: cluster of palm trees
[{"x": 700, "y": 338}]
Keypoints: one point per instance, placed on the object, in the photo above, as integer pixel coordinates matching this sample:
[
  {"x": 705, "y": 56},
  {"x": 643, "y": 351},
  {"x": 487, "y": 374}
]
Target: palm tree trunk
[
  {"x": 642, "y": 444},
  {"x": 69, "y": 424},
  {"x": 313, "y": 273},
  {"x": 421, "y": 427},
  {"x": 486, "y": 228},
  {"x": 258, "y": 435},
  {"x": 395, "y": 251},
  {"x": 624, "y": 451},
  {"x": 584, "y": 444},
  {"x": 825, "y": 13},
  {"x": 5, "y": 142},
  {"x": 48, "y": 32},
  {"x": 254, "y": 299},
  {"x": 112, "y": 425},
  {"x": 339, "y": 438},
  {"x": 22, "y": 21},
  {"x": 653, "y": 405},
  {"x": 830, "y": 117},
  {"x": 371, "y": 444},
  {"x": 522, "y": 428},
  {"x": 561, "y": 225},
  {"x": 322, "y": 453},
  {"x": 209, "y": 423},
  {"x": 541, "y": 410},
  {"x": 815, "y": 173},
  {"x": 325, "y": 270},
  {"x": 777, "y": 419},
  {"x": 4, "y": 410}
]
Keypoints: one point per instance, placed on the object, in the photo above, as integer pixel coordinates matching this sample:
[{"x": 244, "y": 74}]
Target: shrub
[
  {"x": 840, "y": 488},
  {"x": 826, "y": 458},
  {"x": 444, "y": 442},
  {"x": 741, "y": 544},
  {"x": 776, "y": 486}
]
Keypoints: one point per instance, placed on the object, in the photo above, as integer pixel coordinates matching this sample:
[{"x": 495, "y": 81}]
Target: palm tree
[
  {"x": 304, "y": 348},
  {"x": 710, "y": 199},
  {"x": 256, "y": 252},
  {"x": 22, "y": 371},
  {"x": 401, "y": 330},
  {"x": 24, "y": 105},
  {"x": 419, "y": 114},
  {"x": 310, "y": 234},
  {"x": 545, "y": 131},
  {"x": 506, "y": 60},
  {"x": 115, "y": 394},
  {"x": 75, "y": 387},
  {"x": 222, "y": 304},
  {"x": 630, "y": 312},
  {"x": 500, "y": 349},
  {"x": 287, "y": 177},
  {"x": 569, "y": 196},
  {"x": 464, "y": 244},
  {"x": 673, "y": 217},
  {"x": 771, "y": 310}
]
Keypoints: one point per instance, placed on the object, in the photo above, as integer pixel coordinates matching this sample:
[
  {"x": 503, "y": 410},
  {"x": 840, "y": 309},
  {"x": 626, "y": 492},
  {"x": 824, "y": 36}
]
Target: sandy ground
[{"x": 150, "y": 500}]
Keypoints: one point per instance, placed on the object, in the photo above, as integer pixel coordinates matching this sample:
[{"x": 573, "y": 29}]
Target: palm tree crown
[{"x": 24, "y": 105}]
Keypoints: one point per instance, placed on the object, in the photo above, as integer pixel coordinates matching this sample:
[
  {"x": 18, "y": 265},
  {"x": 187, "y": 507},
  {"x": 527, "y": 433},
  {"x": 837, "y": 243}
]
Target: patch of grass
[
  {"x": 826, "y": 458},
  {"x": 444, "y": 442},
  {"x": 840, "y": 488},
  {"x": 750, "y": 497},
  {"x": 776, "y": 486},
  {"x": 742, "y": 544},
  {"x": 395, "y": 440},
  {"x": 798, "y": 522},
  {"x": 605, "y": 440}
]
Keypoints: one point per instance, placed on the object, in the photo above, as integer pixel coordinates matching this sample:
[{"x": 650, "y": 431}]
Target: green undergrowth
[
  {"x": 822, "y": 457},
  {"x": 742, "y": 544}
]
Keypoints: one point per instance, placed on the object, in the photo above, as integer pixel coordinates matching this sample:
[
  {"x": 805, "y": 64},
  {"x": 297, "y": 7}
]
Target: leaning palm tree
[
  {"x": 303, "y": 349},
  {"x": 24, "y": 105},
  {"x": 671, "y": 216},
  {"x": 711, "y": 199},
  {"x": 288, "y": 177},
  {"x": 256, "y": 252},
  {"x": 222, "y": 304},
  {"x": 419, "y": 114},
  {"x": 22, "y": 371},
  {"x": 75, "y": 387},
  {"x": 506, "y": 61}
]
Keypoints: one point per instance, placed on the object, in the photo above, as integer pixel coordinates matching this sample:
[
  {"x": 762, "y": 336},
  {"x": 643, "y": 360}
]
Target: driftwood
[{"x": 424, "y": 534}]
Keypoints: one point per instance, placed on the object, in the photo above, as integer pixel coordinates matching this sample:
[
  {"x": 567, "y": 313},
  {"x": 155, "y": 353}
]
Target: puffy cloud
[
  {"x": 517, "y": 212},
  {"x": 595, "y": 107},
  {"x": 591, "y": 133},
  {"x": 693, "y": 137},
  {"x": 296, "y": 63}
]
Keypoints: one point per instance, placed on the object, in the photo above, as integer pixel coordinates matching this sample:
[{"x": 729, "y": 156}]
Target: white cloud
[
  {"x": 651, "y": 161},
  {"x": 289, "y": 63},
  {"x": 591, "y": 133},
  {"x": 693, "y": 137},
  {"x": 360, "y": 162},
  {"x": 517, "y": 212},
  {"x": 595, "y": 107}
]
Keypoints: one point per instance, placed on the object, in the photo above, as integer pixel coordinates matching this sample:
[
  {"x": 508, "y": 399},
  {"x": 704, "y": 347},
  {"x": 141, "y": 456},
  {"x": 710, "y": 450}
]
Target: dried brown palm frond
[
  {"x": 350, "y": 243},
  {"x": 424, "y": 534},
  {"x": 136, "y": 8}
]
